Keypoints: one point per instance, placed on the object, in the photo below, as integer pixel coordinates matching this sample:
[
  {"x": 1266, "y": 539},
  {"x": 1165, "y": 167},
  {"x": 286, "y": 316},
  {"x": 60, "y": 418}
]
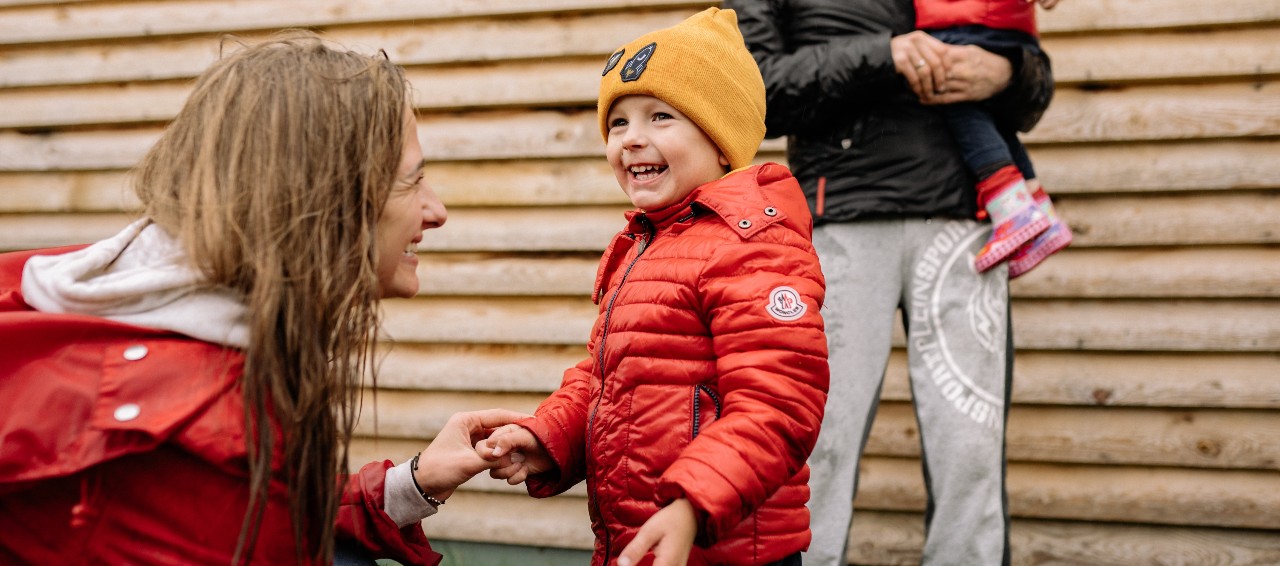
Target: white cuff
[{"x": 401, "y": 499}]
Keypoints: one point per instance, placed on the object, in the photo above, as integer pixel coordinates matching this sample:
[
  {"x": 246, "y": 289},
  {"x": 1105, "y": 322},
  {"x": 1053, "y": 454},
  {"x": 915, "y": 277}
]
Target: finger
[
  {"x": 486, "y": 451},
  {"x": 499, "y": 440},
  {"x": 644, "y": 541},
  {"x": 927, "y": 80},
  {"x": 504, "y": 470},
  {"x": 494, "y": 418},
  {"x": 518, "y": 477}
]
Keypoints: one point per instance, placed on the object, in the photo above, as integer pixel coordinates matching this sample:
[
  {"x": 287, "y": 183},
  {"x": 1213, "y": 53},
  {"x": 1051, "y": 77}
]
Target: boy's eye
[
  {"x": 661, "y": 116},
  {"x": 617, "y": 122}
]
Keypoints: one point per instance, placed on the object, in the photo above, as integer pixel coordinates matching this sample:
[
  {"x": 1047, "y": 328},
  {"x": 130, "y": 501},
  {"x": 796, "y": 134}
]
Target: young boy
[
  {"x": 1025, "y": 227},
  {"x": 703, "y": 391}
]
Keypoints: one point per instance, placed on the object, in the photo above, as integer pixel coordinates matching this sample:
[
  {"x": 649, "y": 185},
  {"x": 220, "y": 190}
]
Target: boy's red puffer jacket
[{"x": 707, "y": 374}]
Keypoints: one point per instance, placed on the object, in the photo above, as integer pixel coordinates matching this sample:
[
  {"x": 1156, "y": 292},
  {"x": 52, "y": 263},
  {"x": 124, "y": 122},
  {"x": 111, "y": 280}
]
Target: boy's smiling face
[{"x": 658, "y": 154}]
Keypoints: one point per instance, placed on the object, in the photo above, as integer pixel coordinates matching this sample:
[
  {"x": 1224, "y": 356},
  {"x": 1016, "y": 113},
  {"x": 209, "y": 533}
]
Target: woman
[{"x": 184, "y": 392}]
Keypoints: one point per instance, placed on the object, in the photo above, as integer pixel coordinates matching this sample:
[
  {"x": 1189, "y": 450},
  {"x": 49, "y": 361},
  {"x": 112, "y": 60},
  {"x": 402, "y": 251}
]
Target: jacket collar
[{"x": 739, "y": 195}]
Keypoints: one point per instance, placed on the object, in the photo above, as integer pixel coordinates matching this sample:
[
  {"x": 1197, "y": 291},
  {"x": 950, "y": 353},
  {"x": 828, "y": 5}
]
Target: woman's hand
[{"x": 451, "y": 458}]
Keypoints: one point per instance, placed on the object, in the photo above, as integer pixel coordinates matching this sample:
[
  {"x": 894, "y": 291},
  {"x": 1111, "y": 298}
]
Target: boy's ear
[{"x": 724, "y": 161}]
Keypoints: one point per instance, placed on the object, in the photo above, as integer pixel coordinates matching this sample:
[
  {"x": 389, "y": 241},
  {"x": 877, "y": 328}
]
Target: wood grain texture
[{"x": 1136, "y": 494}]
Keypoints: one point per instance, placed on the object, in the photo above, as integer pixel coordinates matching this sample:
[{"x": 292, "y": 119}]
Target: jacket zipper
[
  {"x": 604, "y": 334},
  {"x": 702, "y": 387}
]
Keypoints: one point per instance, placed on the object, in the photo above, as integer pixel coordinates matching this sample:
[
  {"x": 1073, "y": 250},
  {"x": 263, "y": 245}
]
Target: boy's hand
[
  {"x": 524, "y": 455},
  {"x": 669, "y": 533}
]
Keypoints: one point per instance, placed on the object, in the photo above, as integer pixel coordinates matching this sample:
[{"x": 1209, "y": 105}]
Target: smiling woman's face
[{"x": 411, "y": 208}]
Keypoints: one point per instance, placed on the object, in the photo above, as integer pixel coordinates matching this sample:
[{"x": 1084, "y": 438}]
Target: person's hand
[
  {"x": 972, "y": 74},
  {"x": 918, "y": 56},
  {"x": 518, "y": 452},
  {"x": 1046, "y": 4},
  {"x": 451, "y": 457},
  {"x": 669, "y": 533}
]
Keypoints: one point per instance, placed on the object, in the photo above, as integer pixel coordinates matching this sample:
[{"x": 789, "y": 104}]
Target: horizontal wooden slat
[
  {"x": 409, "y": 43},
  {"x": 574, "y": 81},
  {"x": 1186, "y": 272},
  {"x": 40, "y": 24},
  {"x": 1166, "y": 496},
  {"x": 1191, "y": 438},
  {"x": 1097, "y": 15},
  {"x": 889, "y": 538},
  {"x": 1227, "y": 326},
  {"x": 11, "y": 3},
  {"x": 1161, "y": 113},
  {"x": 1124, "y": 379},
  {"x": 82, "y": 191},
  {"x": 1067, "y": 170},
  {"x": 513, "y": 519},
  {"x": 467, "y": 274},
  {"x": 1149, "y": 113},
  {"x": 503, "y": 321},
  {"x": 478, "y": 367},
  {"x": 1158, "y": 167},
  {"x": 156, "y": 18},
  {"x": 1240, "y": 326},
  {"x": 1161, "y": 272},
  {"x": 1195, "y": 55},
  {"x": 412, "y": 415},
  {"x": 1235, "y": 272},
  {"x": 1181, "y": 220},
  {"x": 1235, "y": 218},
  {"x": 878, "y": 531},
  {"x": 1141, "y": 379},
  {"x": 529, "y": 229},
  {"x": 583, "y": 181}
]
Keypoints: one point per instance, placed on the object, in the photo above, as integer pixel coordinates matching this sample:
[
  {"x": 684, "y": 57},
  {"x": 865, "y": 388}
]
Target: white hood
[{"x": 140, "y": 276}]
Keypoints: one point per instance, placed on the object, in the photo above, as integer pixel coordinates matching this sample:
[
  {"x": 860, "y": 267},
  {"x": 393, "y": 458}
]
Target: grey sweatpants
[{"x": 960, "y": 354}]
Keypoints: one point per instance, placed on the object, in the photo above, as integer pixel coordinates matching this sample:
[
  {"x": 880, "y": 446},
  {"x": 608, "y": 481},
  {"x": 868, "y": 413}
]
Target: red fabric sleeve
[
  {"x": 560, "y": 424},
  {"x": 361, "y": 518}
]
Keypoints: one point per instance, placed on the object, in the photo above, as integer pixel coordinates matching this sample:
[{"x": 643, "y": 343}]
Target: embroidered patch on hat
[
  {"x": 638, "y": 63},
  {"x": 785, "y": 304},
  {"x": 613, "y": 61}
]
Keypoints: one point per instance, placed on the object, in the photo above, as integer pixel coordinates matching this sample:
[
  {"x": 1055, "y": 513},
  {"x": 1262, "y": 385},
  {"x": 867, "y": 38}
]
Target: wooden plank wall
[{"x": 1146, "y": 419}]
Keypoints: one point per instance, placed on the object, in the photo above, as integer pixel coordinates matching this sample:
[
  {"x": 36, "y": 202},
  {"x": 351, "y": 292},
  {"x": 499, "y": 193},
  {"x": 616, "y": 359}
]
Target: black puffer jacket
[{"x": 851, "y": 119}]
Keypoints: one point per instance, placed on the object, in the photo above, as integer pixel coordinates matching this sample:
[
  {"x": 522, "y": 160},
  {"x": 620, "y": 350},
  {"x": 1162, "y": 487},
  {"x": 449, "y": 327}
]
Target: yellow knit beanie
[{"x": 702, "y": 68}]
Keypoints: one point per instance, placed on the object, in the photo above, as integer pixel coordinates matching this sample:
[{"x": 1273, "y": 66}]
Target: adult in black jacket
[{"x": 855, "y": 90}]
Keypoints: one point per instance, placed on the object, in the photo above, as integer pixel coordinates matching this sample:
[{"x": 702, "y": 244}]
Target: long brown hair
[{"x": 273, "y": 176}]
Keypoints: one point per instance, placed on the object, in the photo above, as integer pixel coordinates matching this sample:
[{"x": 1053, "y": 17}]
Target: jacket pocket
[{"x": 706, "y": 407}]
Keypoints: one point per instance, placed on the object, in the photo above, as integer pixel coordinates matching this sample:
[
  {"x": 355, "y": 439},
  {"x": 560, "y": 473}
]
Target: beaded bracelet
[{"x": 414, "y": 469}]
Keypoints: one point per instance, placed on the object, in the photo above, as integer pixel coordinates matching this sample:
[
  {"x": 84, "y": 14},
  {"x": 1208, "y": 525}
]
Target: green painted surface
[{"x": 461, "y": 553}]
